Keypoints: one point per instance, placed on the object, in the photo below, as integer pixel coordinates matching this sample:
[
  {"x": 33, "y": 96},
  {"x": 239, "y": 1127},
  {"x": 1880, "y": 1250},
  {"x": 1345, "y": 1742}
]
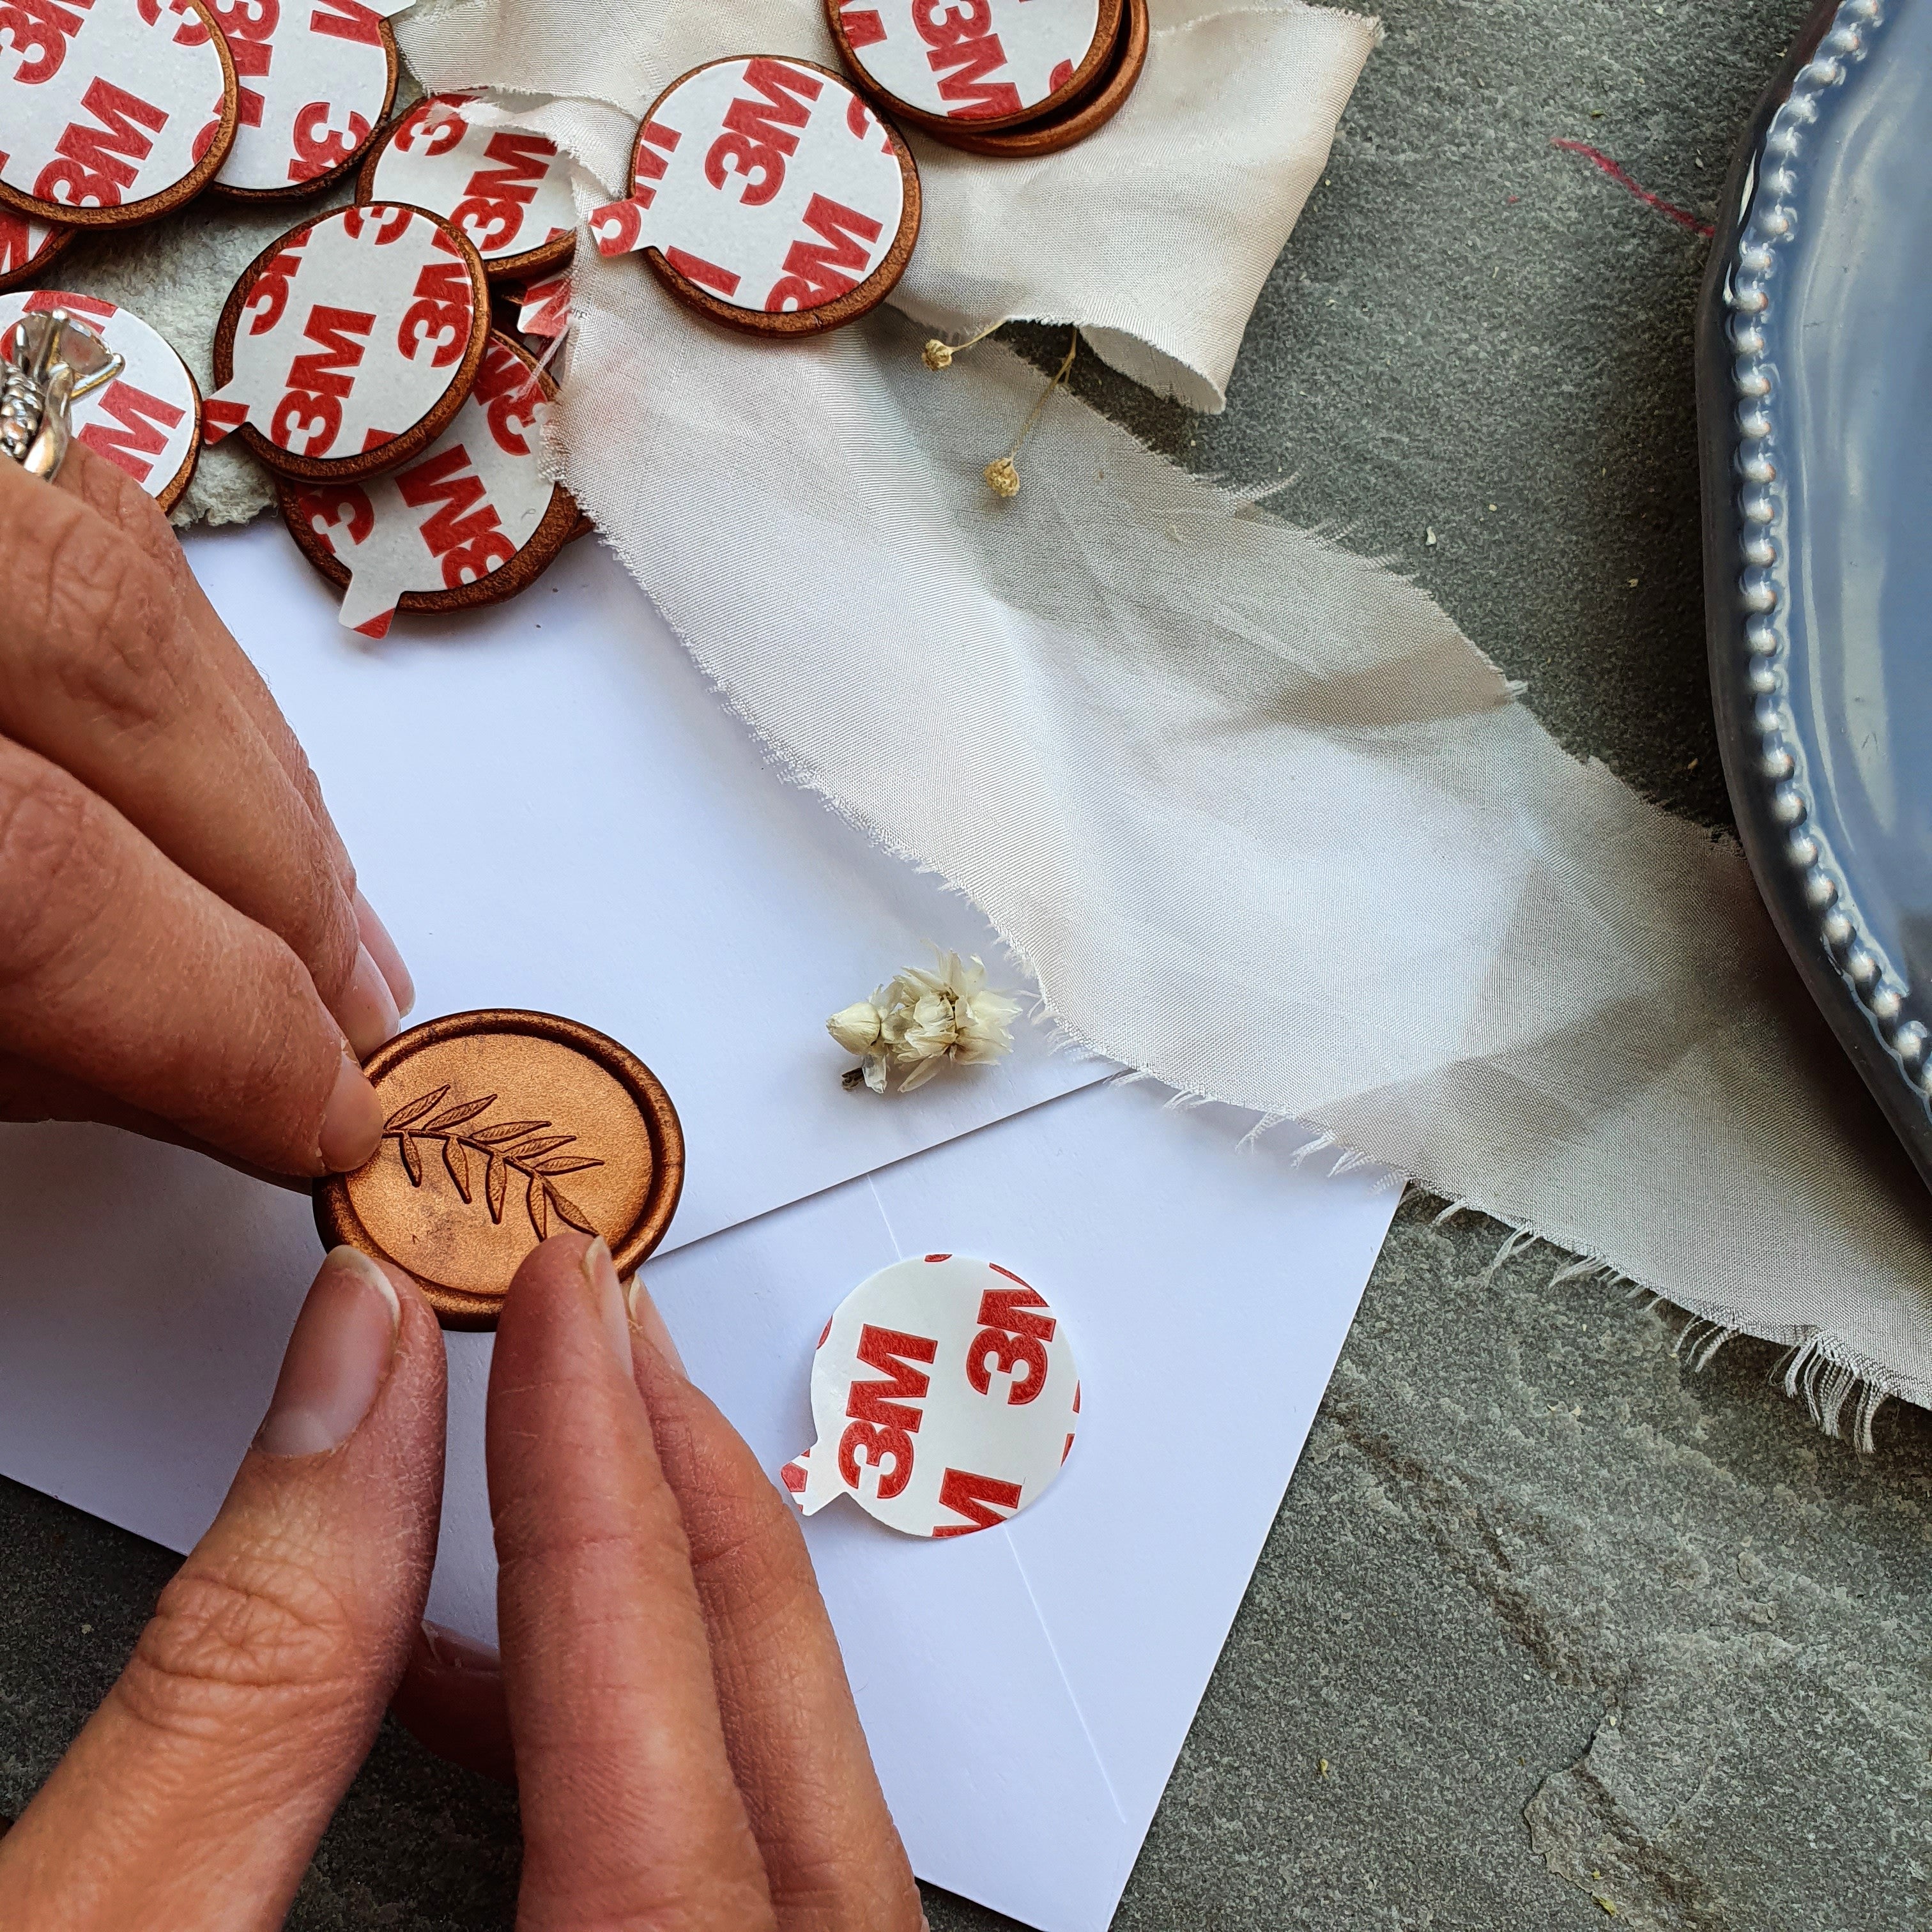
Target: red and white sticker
[
  {"x": 971, "y": 60},
  {"x": 105, "y": 104},
  {"x": 27, "y": 245},
  {"x": 351, "y": 332},
  {"x": 508, "y": 190},
  {"x": 147, "y": 421},
  {"x": 313, "y": 78},
  {"x": 767, "y": 183},
  {"x": 465, "y": 509},
  {"x": 543, "y": 308},
  {"x": 945, "y": 1398}
]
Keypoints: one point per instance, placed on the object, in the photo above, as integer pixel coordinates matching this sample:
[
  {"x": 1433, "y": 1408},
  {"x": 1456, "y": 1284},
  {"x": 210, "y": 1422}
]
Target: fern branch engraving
[{"x": 522, "y": 1148}]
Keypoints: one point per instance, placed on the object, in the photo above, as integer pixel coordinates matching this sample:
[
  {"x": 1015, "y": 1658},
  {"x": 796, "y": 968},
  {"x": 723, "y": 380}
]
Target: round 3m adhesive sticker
[
  {"x": 767, "y": 195},
  {"x": 995, "y": 63},
  {"x": 148, "y": 420},
  {"x": 112, "y": 112},
  {"x": 507, "y": 189},
  {"x": 472, "y": 520},
  {"x": 28, "y": 246},
  {"x": 315, "y": 78},
  {"x": 944, "y": 1398},
  {"x": 348, "y": 345}
]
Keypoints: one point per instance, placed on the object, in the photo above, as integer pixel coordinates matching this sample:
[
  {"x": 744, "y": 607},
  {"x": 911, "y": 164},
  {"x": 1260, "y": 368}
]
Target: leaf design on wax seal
[{"x": 519, "y": 1147}]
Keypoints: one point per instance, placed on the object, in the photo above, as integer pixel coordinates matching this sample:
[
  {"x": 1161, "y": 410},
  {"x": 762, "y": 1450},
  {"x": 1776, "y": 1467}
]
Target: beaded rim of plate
[{"x": 1861, "y": 962}]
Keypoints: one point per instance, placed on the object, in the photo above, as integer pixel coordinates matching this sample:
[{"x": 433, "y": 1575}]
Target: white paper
[
  {"x": 550, "y": 809},
  {"x": 1025, "y": 1690},
  {"x": 770, "y": 185}
]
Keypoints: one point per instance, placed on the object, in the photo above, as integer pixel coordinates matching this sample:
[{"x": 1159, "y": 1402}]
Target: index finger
[
  {"x": 116, "y": 497},
  {"x": 630, "y": 1815},
  {"x": 244, "y": 811}
]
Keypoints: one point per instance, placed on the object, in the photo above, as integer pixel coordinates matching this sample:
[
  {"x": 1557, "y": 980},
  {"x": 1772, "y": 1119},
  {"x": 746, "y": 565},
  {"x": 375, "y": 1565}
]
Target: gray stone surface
[{"x": 1553, "y": 1631}]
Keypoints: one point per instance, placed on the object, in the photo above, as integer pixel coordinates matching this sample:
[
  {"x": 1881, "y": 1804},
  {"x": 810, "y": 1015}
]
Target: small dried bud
[
  {"x": 1002, "y": 479},
  {"x": 857, "y": 1028},
  {"x": 936, "y": 355}
]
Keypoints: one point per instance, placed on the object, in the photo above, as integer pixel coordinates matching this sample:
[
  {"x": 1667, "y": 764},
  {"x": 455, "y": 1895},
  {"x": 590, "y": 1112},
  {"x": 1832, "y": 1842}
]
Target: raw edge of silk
[
  {"x": 1173, "y": 321},
  {"x": 1413, "y": 921},
  {"x": 1155, "y": 235}
]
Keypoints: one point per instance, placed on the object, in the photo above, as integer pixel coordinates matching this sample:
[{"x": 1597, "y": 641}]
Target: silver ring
[{"x": 48, "y": 361}]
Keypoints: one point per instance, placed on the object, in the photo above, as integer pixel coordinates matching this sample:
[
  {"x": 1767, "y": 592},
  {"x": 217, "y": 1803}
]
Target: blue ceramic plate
[{"x": 1815, "y": 383}]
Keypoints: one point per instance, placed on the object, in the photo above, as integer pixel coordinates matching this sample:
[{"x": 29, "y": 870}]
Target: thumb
[{"x": 196, "y": 1794}]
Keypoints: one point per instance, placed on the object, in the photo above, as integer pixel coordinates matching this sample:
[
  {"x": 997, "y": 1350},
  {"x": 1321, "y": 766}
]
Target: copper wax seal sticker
[{"x": 500, "y": 1129}]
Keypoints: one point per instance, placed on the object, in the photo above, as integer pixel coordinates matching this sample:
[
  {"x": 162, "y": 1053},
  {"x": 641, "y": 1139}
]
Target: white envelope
[
  {"x": 1025, "y": 1689},
  {"x": 550, "y": 809}
]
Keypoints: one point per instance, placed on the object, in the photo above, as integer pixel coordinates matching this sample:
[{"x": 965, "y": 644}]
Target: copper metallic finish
[
  {"x": 1062, "y": 100},
  {"x": 574, "y": 1131},
  {"x": 783, "y": 323},
  {"x": 1074, "y": 123}
]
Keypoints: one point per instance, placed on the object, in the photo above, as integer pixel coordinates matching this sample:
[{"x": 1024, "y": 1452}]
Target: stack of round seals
[{"x": 1010, "y": 79}]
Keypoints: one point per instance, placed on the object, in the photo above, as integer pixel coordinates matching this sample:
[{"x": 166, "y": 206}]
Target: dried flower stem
[
  {"x": 937, "y": 354},
  {"x": 1003, "y": 475}
]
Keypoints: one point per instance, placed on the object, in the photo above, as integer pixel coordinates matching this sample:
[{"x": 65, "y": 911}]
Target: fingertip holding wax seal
[
  {"x": 500, "y": 1129},
  {"x": 945, "y": 1399}
]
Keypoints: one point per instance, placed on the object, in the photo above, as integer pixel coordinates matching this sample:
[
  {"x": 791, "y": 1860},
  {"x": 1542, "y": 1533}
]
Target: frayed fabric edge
[
  {"x": 1842, "y": 1389},
  {"x": 1823, "y": 1368}
]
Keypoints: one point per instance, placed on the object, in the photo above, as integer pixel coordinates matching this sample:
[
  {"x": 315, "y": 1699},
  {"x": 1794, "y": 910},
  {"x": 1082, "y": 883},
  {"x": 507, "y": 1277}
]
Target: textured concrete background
[{"x": 1553, "y": 1631}]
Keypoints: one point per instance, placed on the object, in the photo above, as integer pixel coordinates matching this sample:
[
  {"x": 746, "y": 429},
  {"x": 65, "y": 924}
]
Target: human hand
[
  {"x": 669, "y": 1691},
  {"x": 182, "y": 946}
]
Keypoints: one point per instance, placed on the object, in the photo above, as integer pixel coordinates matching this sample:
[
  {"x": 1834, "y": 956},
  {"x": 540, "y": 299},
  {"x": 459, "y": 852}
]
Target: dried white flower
[
  {"x": 857, "y": 1028},
  {"x": 925, "y": 1018},
  {"x": 861, "y": 1028}
]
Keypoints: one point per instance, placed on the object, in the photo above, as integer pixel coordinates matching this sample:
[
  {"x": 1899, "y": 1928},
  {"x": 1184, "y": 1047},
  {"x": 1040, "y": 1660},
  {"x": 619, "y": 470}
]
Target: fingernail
[
  {"x": 344, "y": 1341},
  {"x": 382, "y": 949},
  {"x": 608, "y": 1298},
  {"x": 454, "y": 1651},
  {"x": 646, "y": 1319},
  {"x": 368, "y": 1008},
  {"x": 352, "y": 1122}
]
